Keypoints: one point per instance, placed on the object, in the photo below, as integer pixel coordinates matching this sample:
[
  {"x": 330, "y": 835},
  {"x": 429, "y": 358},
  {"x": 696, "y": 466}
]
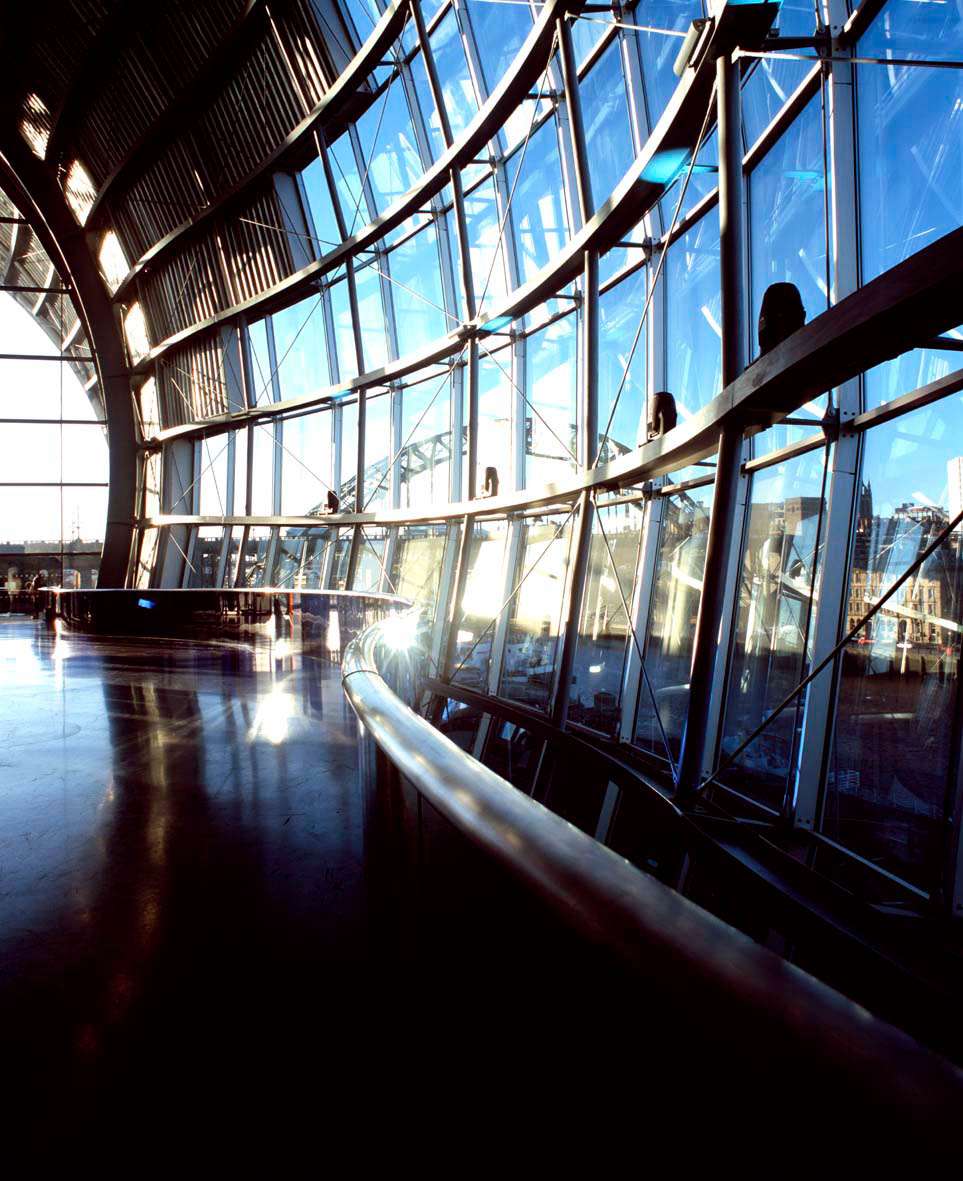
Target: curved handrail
[{"x": 651, "y": 928}]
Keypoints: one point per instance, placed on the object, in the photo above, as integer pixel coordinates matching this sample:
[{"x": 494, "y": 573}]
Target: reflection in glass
[
  {"x": 887, "y": 779},
  {"x": 301, "y": 557},
  {"x": 694, "y": 316},
  {"x": 495, "y": 401},
  {"x": 416, "y": 567},
  {"x": 770, "y": 651},
  {"x": 596, "y": 692},
  {"x": 371, "y": 553},
  {"x": 528, "y": 673},
  {"x": 672, "y": 618},
  {"x": 606, "y": 115},
  {"x": 252, "y": 570},
  {"x": 513, "y": 753},
  {"x": 202, "y": 570},
  {"x": 480, "y": 601}
]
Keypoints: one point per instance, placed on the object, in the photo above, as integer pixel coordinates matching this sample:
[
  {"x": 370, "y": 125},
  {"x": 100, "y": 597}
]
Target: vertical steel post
[{"x": 707, "y": 645}]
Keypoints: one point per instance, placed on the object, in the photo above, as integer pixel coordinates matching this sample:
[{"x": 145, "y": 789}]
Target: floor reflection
[{"x": 180, "y": 864}]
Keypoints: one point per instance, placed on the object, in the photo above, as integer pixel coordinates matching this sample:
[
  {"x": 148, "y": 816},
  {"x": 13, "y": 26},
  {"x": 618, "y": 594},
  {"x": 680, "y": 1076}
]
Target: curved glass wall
[{"x": 474, "y": 269}]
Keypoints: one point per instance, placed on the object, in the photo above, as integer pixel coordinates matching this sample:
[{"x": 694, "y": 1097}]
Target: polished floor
[{"x": 182, "y": 899}]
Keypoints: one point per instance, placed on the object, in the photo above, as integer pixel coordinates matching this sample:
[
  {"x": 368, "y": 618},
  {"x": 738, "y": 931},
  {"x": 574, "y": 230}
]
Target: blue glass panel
[
  {"x": 321, "y": 207},
  {"x": 416, "y": 292},
  {"x": 426, "y": 106},
  {"x": 371, "y": 314},
  {"x": 347, "y": 182},
  {"x": 500, "y": 31},
  {"x": 787, "y": 217},
  {"x": 388, "y": 147},
  {"x": 910, "y": 124},
  {"x": 456, "y": 84},
  {"x": 620, "y": 313},
  {"x": 658, "y": 51},
  {"x": 301, "y": 349},
  {"x": 694, "y": 316},
  {"x": 606, "y": 116},
  {"x": 538, "y": 211},
  {"x": 344, "y": 335}
]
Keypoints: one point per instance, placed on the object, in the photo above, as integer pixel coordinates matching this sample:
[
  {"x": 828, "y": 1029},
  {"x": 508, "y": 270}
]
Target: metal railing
[{"x": 746, "y": 993}]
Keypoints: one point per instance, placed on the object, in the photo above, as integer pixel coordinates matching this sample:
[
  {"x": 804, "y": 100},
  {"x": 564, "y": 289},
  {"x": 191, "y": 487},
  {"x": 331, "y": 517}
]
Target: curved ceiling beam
[
  {"x": 237, "y": 43},
  {"x": 34, "y": 191},
  {"x": 339, "y": 105}
]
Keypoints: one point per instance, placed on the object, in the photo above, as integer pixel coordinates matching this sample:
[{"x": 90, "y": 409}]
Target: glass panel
[
  {"x": 536, "y": 610},
  {"x": 416, "y": 292},
  {"x": 910, "y": 160},
  {"x": 694, "y": 316},
  {"x": 261, "y": 368},
  {"x": 887, "y": 780},
  {"x": 347, "y": 183},
  {"x": 240, "y": 470},
  {"x": 596, "y": 693},
  {"x": 425, "y": 461},
  {"x": 620, "y": 311},
  {"x": 513, "y": 753},
  {"x": 320, "y": 206},
  {"x": 416, "y": 569},
  {"x": 551, "y": 413},
  {"x": 84, "y": 515},
  {"x": 672, "y": 619},
  {"x": 301, "y": 557},
  {"x": 538, "y": 210},
  {"x": 302, "y": 352},
  {"x": 253, "y": 568},
  {"x": 787, "y": 223},
  {"x": 343, "y": 331},
  {"x": 349, "y": 455},
  {"x": 487, "y": 254},
  {"x": 30, "y": 452},
  {"x": 262, "y": 473},
  {"x": 342, "y": 556},
  {"x": 377, "y": 452},
  {"x": 30, "y": 515},
  {"x": 771, "y": 647},
  {"x": 480, "y": 601},
  {"x": 39, "y": 389},
  {"x": 205, "y": 559},
  {"x": 306, "y": 464},
  {"x": 495, "y": 400},
  {"x": 213, "y": 477},
  {"x": 371, "y": 313},
  {"x": 388, "y": 147},
  {"x": 456, "y": 86},
  {"x": 607, "y": 130},
  {"x": 659, "y": 52},
  {"x": 500, "y": 31},
  {"x": 371, "y": 553}
]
